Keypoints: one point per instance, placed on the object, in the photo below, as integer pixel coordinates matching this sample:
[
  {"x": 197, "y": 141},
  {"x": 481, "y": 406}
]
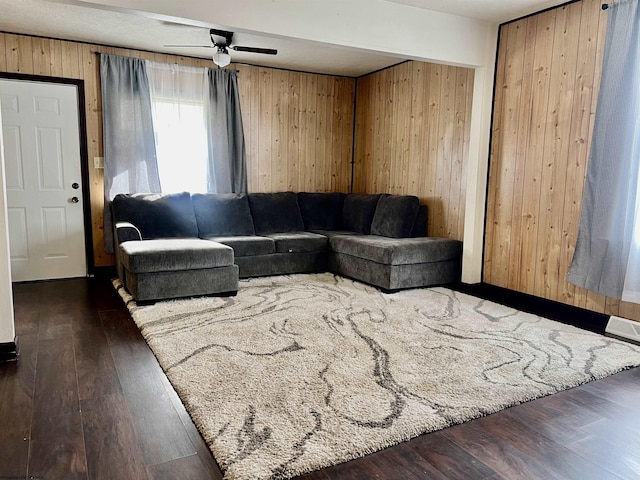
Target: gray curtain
[
  {"x": 130, "y": 163},
  {"x": 603, "y": 259},
  {"x": 227, "y": 156}
]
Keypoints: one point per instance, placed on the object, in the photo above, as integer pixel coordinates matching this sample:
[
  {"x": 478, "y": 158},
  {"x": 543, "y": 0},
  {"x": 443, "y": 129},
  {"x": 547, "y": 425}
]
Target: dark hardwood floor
[{"x": 87, "y": 400}]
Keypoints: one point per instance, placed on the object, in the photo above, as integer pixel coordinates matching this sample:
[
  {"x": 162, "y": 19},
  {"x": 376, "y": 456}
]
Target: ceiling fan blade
[
  {"x": 191, "y": 46},
  {"x": 267, "y": 51}
]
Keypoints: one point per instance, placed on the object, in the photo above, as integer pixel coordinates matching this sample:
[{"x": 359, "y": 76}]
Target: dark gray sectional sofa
[{"x": 178, "y": 245}]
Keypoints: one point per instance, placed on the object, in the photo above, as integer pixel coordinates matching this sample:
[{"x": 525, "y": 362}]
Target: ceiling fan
[{"x": 221, "y": 56}]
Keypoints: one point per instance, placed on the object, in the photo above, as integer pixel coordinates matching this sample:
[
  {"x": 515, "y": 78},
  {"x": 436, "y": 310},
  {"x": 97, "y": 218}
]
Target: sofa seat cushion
[
  {"x": 299, "y": 242},
  {"x": 247, "y": 245},
  {"x": 332, "y": 233},
  {"x": 275, "y": 212},
  {"x": 397, "y": 251},
  {"x": 222, "y": 214},
  {"x": 166, "y": 255},
  {"x": 157, "y": 215},
  {"x": 395, "y": 216}
]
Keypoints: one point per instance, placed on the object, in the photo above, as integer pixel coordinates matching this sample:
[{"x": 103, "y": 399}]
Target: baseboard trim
[
  {"x": 107, "y": 272},
  {"x": 560, "y": 312},
  {"x": 9, "y": 351}
]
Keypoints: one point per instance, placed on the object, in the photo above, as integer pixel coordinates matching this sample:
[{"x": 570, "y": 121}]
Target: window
[{"x": 180, "y": 126}]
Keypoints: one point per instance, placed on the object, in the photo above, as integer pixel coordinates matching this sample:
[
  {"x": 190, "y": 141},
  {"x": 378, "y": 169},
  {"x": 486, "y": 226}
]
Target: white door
[{"x": 43, "y": 180}]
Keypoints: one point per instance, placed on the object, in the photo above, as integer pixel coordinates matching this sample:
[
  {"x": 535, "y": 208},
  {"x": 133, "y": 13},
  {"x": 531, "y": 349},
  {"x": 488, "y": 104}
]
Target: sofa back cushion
[
  {"x": 357, "y": 212},
  {"x": 395, "y": 216},
  {"x": 222, "y": 214},
  {"x": 420, "y": 227},
  {"x": 321, "y": 211},
  {"x": 275, "y": 212},
  {"x": 157, "y": 215}
]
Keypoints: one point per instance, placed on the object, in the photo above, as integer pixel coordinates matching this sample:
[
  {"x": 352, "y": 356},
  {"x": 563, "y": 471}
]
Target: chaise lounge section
[{"x": 177, "y": 245}]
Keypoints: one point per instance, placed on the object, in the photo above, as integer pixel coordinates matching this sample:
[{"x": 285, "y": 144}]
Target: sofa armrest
[{"x": 126, "y": 231}]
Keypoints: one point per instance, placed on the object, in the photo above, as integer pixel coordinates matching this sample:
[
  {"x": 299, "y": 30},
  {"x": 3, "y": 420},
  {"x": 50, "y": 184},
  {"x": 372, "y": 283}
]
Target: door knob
[
  {"x": 74, "y": 200},
  {"x": 75, "y": 185}
]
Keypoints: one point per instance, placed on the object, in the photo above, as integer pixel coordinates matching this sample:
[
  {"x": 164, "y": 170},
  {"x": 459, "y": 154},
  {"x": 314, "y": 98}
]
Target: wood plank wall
[
  {"x": 412, "y": 138},
  {"x": 298, "y": 126},
  {"x": 547, "y": 83}
]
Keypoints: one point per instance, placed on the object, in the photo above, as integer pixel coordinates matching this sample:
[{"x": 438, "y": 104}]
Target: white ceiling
[{"x": 74, "y": 22}]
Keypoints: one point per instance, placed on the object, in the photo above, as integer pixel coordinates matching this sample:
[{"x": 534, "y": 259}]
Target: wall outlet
[{"x": 98, "y": 162}]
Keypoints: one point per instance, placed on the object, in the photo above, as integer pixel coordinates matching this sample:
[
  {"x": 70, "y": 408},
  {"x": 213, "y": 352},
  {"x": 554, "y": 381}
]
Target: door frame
[{"x": 84, "y": 153}]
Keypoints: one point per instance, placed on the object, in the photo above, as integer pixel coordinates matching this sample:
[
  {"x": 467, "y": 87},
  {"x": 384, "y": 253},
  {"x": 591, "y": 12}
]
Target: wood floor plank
[
  {"x": 186, "y": 468},
  {"x": 449, "y": 459},
  {"x": 97, "y": 373},
  {"x": 563, "y": 462},
  {"x": 56, "y": 390},
  {"x": 110, "y": 440},
  {"x": 57, "y": 448},
  {"x": 620, "y": 460},
  {"x": 499, "y": 455},
  {"x": 17, "y": 386},
  {"x": 125, "y": 340},
  {"x": 206, "y": 458},
  {"x": 161, "y": 434}
]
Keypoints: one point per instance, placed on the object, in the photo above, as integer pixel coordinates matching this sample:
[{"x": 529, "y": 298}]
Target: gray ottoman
[
  {"x": 396, "y": 263},
  {"x": 172, "y": 268}
]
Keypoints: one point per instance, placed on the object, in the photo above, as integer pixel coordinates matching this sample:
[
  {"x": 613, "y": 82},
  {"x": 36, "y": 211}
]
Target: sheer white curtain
[
  {"x": 179, "y": 97},
  {"x": 607, "y": 256}
]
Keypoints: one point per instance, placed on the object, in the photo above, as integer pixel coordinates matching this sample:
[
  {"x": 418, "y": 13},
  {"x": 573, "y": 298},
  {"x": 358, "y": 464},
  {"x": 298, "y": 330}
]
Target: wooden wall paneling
[
  {"x": 3, "y": 53},
  {"x": 13, "y": 53},
  {"x": 254, "y": 150},
  {"x": 505, "y": 174},
  {"x": 70, "y": 60},
  {"x": 280, "y": 110},
  {"x": 331, "y": 166},
  {"x": 563, "y": 66},
  {"x": 394, "y": 157},
  {"x": 309, "y": 168},
  {"x": 265, "y": 131},
  {"x": 521, "y": 152},
  {"x": 433, "y": 96},
  {"x": 545, "y": 27},
  {"x": 388, "y": 132},
  {"x": 411, "y": 127},
  {"x": 578, "y": 151},
  {"x": 363, "y": 132},
  {"x": 40, "y": 56},
  {"x": 55, "y": 47},
  {"x": 494, "y": 156},
  {"x": 554, "y": 128},
  {"x": 457, "y": 170},
  {"x": 402, "y": 182},
  {"x": 376, "y": 166},
  {"x": 93, "y": 107},
  {"x": 416, "y": 131},
  {"x": 321, "y": 136},
  {"x": 465, "y": 152},
  {"x": 325, "y": 135},
  {"x": 347, "y": 104},
  {"x": 293, "y": 156}
]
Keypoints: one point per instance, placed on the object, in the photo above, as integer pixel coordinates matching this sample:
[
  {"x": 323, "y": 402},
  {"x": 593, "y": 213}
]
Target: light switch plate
[{"x": 98, "y": 162}]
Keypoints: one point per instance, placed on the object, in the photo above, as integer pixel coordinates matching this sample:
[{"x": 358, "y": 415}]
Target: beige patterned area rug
[{"x": 301, "y": 372}]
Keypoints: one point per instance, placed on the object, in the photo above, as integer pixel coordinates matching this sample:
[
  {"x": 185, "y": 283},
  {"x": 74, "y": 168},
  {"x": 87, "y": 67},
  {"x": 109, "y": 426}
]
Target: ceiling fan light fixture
[{"x": 221, "y": 58}]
